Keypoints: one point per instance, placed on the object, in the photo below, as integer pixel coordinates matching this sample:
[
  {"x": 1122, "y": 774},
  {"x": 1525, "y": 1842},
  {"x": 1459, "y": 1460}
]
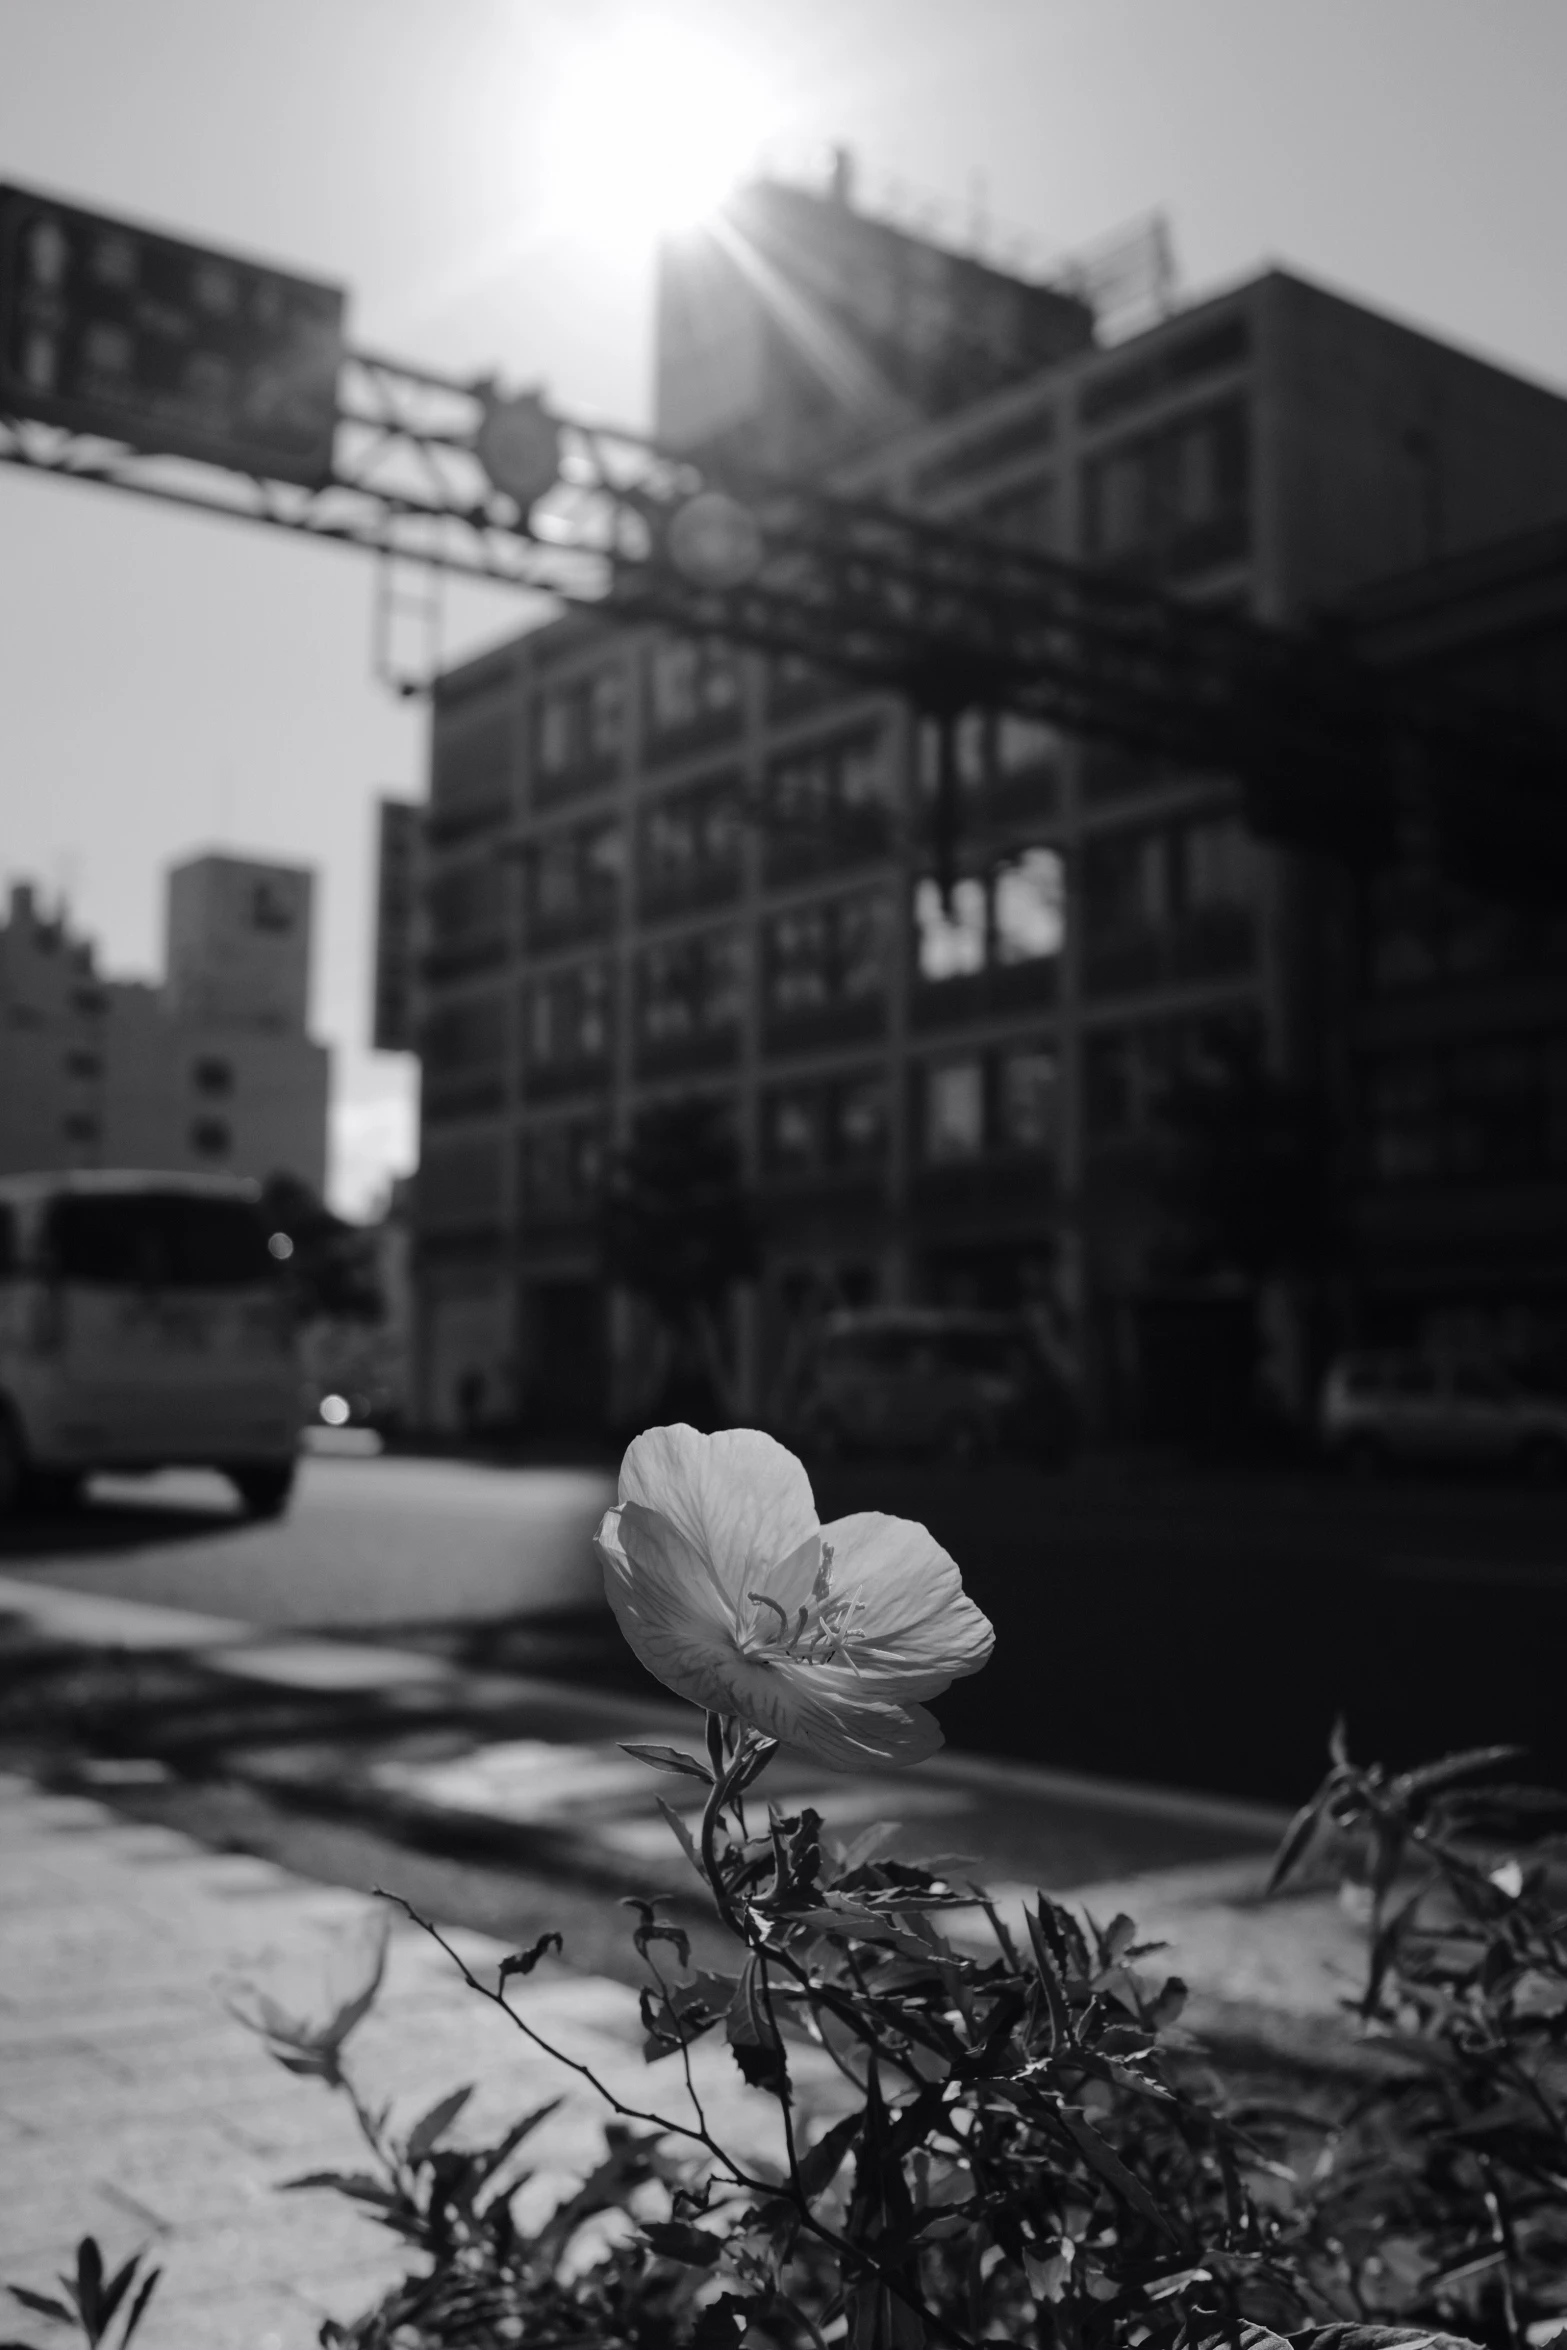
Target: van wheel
[
  {"x": 264, "y": 1487},
  {"x": 13, "y": 1467}
]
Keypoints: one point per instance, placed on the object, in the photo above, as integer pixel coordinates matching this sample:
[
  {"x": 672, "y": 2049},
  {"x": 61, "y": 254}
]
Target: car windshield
[{"x": 158, "y": 1239}]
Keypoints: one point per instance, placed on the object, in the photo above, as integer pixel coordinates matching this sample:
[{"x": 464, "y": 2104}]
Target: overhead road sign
[{"x": 110, "y": 329}]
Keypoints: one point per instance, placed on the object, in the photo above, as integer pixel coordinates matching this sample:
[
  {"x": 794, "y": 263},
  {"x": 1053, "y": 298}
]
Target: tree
[{"x": 678, "y": 1230}]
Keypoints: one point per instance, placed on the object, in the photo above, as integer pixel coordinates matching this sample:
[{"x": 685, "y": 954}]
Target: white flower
[{"x": 730, "y": 1591}]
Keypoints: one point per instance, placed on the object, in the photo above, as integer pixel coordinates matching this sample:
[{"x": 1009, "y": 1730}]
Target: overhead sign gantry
[{"x": 140, "y": 362}]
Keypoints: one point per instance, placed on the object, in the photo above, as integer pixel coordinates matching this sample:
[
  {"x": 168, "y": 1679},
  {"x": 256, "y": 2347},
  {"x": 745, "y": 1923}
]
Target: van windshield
[{"x": 159, "y": 1239}]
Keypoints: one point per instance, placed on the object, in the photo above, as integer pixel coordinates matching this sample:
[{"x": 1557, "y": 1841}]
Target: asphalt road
[
  {"x": 366, "y": 1543},
  {"x": 1155, "y": 1622}
]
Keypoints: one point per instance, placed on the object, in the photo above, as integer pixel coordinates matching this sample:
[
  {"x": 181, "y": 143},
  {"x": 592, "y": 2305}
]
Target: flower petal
[
  {"x": 664, "y": 1601},
  {"x": 849, "y": 1729},
  {"x": 741, "y": 1500},
  {"x": 916, "y": 1629}
]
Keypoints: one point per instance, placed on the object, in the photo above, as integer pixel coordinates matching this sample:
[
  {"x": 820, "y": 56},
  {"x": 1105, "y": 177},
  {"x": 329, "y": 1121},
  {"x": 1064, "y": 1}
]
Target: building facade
[
  {"x": 1455, "y": 960},
  {"x": 211, "y": 1070},
  {"x": 655, "y": 867}
]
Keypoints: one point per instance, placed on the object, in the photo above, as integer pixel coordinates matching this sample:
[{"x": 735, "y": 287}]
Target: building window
[
  {"x": 1126, "y": 882},
  {"x": 829, "y": 802},
  {"x": 564, "y": 1167},
  {"x": 213, "y": 1077},
  {"x": 1218, "y": 865},
  {"x": 1027, "y": 1094},
  {"x": 80, "y": 1127},
  {"x": 210, "y": 1138},
  {"x": 576, "y": 875},
  {"x": 954, "y": 1111},
  {"x": 1023, "y": 745},
  {"x": 1020, "y": 517},
  {"x": 272, "y": 906},
  {"x": 578, "y": 724},
  {"x": 1028, "y": 903},
  {"x": 691, "y": 841},
  {"x": 840, "y": 1124},
  {"x": 859, "y": 1120},
  {"x": 953, "y": 934},
  {"x": 1016, "y": 913},
  {"x": 690, "y": 681},
  {"x": 84, "y": 1064},
  {"x": 827, "y": 957},
  {"x": 1177, "y": 497},
  {"x": 568, "y": 1017},
  {"x": 691, "y": 987},
  {"x": 792, "y": 1130}
]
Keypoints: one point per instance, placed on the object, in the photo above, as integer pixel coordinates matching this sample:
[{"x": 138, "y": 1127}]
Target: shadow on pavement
[{"x": 99, "y": 1525}]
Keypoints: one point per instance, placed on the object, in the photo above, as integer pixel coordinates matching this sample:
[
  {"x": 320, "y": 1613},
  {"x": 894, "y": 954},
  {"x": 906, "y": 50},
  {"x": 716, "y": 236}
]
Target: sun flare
[{"x": 651, "y": 129}]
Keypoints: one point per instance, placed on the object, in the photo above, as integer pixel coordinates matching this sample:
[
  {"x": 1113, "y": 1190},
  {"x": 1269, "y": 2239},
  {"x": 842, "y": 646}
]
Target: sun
[{"x": 651, "y": 128}]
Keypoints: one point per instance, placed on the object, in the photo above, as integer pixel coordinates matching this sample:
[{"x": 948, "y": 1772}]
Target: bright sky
[{"x": 168, "y": 683}]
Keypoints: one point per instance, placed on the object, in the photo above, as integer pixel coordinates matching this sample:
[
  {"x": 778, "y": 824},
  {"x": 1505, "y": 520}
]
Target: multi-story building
[
  {"x": 211, "y": 1070},
  {"x": 659, "y": 866},
  {"x": 1454, "y": 963}
]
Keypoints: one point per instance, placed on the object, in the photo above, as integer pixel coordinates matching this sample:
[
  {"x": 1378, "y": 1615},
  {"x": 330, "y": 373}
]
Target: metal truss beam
[{"x": 949, "y": 619}]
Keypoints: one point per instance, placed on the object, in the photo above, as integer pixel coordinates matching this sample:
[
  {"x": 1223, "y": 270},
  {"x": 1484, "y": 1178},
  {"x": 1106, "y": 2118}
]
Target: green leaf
[
  {"x": 138, "y": 2307},
  {"x": 1430, "y": 1776},
  {"x": 89, "y": 2286},
  {"x": 650, "y": 1928},
  {"x": 721, "y": 2326},
  {"x": 865, "y": 1846},
  {"x": 677, "y": 2239},
  {"x": 753, "y": 2035},
  {"x": 1361, "y": 2337},
  {"x": 490, "y": 2162},
  {"x": 113, "y": 2292},
  {"x": 43, "y": 2303},
  {"x": 823, "y": 2161},
  {"x": 1297, "y": 1836},
  {"x": 358, "y": 2185},
  {"x": 1111, "y": 2168},
  {"x": 683, "y": 1836},
  {"x": 669, "y": 1758},
  {"x": 428, "y": 2133},
  {"x": 523, "y": 1962},
  {"x": 355, "y": 2008}
]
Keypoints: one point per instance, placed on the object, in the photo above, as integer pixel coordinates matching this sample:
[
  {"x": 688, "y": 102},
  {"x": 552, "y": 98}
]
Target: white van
[{"x": 144, "y": 1323}]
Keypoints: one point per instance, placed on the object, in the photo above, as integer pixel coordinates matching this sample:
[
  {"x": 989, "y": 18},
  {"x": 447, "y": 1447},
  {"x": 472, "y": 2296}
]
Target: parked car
[
  {"x": 959, "y": 1385},
  {"x": 144, "y": 1323},
  {"x": 1382, "y": 1408}
]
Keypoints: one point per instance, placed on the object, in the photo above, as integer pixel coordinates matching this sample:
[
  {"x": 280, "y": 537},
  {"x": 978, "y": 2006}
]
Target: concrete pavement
[{"x": 132, "y": 2105}]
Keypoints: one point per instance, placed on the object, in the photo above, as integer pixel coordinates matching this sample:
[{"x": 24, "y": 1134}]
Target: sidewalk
[
  {"x": 133, "y": 2106},
  {"x": 525, "y": 1771}
]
